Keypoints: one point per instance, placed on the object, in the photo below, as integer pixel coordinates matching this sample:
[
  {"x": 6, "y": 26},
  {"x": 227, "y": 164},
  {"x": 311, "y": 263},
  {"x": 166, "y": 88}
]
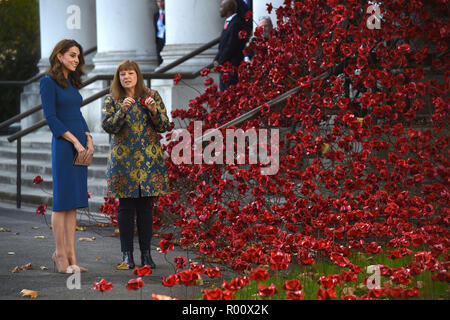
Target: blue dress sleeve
[
  {"x": 48, "y": 98},
  {"x": 85, "y": 126}
]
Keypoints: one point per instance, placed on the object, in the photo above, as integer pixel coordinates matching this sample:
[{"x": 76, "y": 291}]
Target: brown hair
[
  {"x": 117, "y": 91},
  {"x": 56, "y": 69}
]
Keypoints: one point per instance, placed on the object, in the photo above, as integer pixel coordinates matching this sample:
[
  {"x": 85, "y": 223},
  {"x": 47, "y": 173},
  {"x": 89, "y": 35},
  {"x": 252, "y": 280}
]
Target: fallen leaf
[
  {"x": 348, "y": 291},
  {"x": 122, "y": 266},
  {"x": 199, "y": 280},
  {"x": 80, "y": 228},
  {"x": 87, "y": 239},
  {"x": 11, "y": 253},
  {"x": 5, "y": 230},
  {"x": 43, "y": 268},
  {"x": 362, "y": 286},
  {"x": 102, "y": 225},
  {"x": 35, "y": 228},
  {"x": 39, "y": 237},
  {"x": 28, "y": 266},
  {"x": 32, "y": 294},
  {"x": 325, "y": 148},
  {"x": 15, "y": 270},
  {"x": 97, "y": 258},
  {"x": 116, "y": 231}
]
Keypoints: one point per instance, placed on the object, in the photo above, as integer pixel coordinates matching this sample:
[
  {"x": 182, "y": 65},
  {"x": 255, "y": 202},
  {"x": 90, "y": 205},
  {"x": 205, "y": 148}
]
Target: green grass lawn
[{"x": 309, "y": 276}]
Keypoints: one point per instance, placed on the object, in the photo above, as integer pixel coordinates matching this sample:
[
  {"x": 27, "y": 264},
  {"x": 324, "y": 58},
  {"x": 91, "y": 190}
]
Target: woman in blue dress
[{"x": 61, "y": 102}]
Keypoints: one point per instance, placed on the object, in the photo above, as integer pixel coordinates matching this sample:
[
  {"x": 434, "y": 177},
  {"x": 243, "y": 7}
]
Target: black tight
[{"x": 144, "y": 218}]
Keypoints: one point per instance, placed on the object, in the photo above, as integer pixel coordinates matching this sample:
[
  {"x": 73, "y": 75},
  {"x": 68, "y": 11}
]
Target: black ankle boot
[
  {"x": 128, "y": 258},
  {"x": 146, "y": 259}
]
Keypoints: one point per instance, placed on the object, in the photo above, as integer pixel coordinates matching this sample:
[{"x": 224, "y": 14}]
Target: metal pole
[{"x": 19, "y": 173}]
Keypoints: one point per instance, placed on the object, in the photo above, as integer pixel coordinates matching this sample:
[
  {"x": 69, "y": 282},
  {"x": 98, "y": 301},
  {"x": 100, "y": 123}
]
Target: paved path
[{"x": 25, "y": 238}]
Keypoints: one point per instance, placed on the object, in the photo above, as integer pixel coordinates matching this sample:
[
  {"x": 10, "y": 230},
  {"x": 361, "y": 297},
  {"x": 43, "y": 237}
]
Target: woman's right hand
[
  {"x": 79, "y": 147},
  {"x": 83, "y": 153},
  {"x": 127, "y": 102}
]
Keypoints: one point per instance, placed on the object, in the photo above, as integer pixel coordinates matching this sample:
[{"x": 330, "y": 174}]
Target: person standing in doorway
[
  {"x": 243, "y": 8},
  {"x": 230, "y": 45},
  {"x": 159, "y": 19}
]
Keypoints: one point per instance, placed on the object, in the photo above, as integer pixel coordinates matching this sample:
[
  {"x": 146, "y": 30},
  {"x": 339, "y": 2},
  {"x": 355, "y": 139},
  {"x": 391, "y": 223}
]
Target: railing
[
  {"x": 281, "y": 98},
  {"x": 335, "y": 70},
  {"x": 22, "y": 83},
  {"x": 160, "y": 74},
  {"x": 43, "y": 122}
]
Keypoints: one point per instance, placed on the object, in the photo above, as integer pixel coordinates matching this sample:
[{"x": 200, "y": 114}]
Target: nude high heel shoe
[
  {"x": 69, "y": 269},
  {"x": 75, "y": 266}
]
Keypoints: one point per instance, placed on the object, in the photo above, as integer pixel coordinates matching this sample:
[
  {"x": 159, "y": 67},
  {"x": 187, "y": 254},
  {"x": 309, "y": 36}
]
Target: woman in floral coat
[{"x": 136, "y": 170}]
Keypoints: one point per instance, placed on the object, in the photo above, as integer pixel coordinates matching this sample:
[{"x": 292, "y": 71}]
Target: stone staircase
[{"x": 36, "y": 160}]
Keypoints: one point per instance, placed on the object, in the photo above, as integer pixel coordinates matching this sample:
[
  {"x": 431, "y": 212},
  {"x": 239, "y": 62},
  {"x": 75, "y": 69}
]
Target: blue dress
[{"x": 62, "y": 112}]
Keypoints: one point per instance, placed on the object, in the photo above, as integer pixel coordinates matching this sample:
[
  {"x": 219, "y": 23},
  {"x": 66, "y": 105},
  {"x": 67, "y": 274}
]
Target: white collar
[{"x": 231, "y": 17}]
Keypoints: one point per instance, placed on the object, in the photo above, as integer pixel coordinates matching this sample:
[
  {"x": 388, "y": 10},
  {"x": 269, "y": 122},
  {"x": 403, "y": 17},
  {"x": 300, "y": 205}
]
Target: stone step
[
  {"x": 45, "y": 168},
  {"x": 44, "y": 154},
  {"x": 35, "y": 196},
  {"x": 36, "y": 160},
  {"x": 97, "y": 187},
  {"x": 44, "y": 145},
  {"x": 45, "y": 136}
]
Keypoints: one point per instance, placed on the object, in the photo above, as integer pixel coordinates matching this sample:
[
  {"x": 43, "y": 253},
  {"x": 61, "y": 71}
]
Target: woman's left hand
[{"x": 150, "y": 104}]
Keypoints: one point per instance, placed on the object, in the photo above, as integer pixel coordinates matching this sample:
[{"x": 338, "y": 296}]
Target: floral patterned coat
[{"x": 136, "y": 157}]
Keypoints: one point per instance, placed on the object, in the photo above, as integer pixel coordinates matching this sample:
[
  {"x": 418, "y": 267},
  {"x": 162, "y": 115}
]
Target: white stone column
[
  {"x": 125, "y": 31},
  {"x": 66, "y": 19},
  {"x": 62, "y": 19},
  {"x": 260, "y": 10},
  {"x": 189, "y": 25}
]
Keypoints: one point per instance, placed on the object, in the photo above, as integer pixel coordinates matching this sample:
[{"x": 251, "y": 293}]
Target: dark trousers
[
  {"x": 233, "y": 79},
  {"x": 159, "y": 46},
  {"x": 144, "y": 218}
]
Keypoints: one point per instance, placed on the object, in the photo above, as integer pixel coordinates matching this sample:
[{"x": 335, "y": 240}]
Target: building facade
[{"x": 123, "y": 29}]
